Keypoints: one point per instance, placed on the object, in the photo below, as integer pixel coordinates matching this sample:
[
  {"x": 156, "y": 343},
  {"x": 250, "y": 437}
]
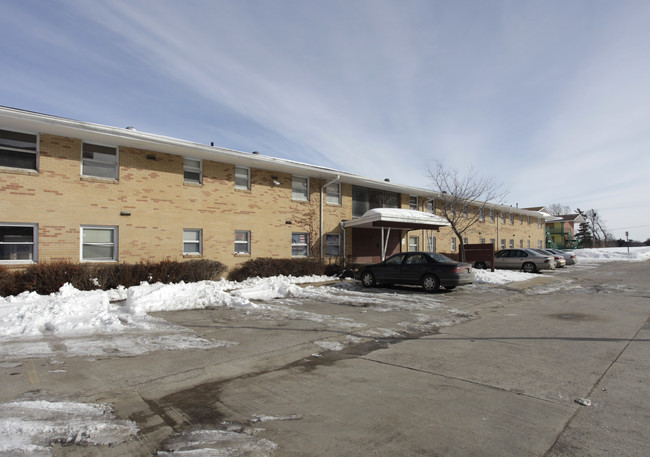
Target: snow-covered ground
[{"x": 81, "y": 321}]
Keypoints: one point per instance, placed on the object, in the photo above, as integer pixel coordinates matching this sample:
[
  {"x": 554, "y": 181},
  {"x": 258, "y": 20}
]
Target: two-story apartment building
[{"x": 78, "y": 191}]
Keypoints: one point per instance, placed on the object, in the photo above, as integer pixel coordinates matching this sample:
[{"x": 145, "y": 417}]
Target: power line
[{"x": 627, "y": 228}]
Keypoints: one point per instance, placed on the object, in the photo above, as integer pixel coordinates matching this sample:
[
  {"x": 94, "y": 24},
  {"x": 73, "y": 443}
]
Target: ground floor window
[
  {"x": 300, "y": 245},
  {"x": 414, "y": 243},
  {"x": 503, "y": 243},
  {"x": 192, "y": 241},
  {"x": 18, "y": 243},
  {"x": 521, "y": 244},
  {"x": 539, "y": 245},
  {"x": 453, "y": 245},
  {"x": 98, "y": 243},
  {"x": 512, "y": 244},
  {"x": 242, "y": 242},
  {"x": 431, "y": 243},
  {"x": 333, "y": 244}
]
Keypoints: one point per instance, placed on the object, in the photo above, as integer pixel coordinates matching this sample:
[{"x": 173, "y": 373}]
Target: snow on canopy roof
[{"x": 399, "y": 218}]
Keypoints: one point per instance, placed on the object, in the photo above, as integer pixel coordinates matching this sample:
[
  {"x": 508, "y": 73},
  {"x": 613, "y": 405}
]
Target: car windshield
[{"x": 440, "y": 258}]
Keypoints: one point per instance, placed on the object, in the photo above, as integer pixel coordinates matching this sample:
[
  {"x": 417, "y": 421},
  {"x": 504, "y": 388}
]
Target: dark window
[
  {"x": 18, "y": 150},
  {"x": 364, "y": 199}
]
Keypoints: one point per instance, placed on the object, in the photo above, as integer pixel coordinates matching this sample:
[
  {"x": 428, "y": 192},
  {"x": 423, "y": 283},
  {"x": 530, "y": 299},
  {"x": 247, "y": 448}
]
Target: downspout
[
  {"x": 342, "y": 224},
  {"x": 322, "y": 205}
]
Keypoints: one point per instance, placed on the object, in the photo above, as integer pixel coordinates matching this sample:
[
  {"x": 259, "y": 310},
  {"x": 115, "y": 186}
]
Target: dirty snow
[{"x": 118, "y": 322}]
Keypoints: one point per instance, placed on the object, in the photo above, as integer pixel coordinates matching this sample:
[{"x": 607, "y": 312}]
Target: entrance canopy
[
  {"x": 403, "y": 219},
  {"x": 396, "y": 218}
]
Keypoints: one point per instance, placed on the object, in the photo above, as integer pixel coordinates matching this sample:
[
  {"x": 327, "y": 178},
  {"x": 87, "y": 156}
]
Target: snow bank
[{"x": 636, "y": 254}]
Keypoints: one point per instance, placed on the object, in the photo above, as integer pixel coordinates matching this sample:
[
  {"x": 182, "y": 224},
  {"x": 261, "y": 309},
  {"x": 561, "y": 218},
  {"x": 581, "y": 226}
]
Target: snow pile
[
  {"x": 636, "y": 254},
  {"x": 501, "y": 276},
  {"x": 33, "y": 426}
]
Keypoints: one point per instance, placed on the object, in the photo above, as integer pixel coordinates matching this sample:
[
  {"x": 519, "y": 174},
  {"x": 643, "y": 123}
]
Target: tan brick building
[{"x": 84, "y": 192}]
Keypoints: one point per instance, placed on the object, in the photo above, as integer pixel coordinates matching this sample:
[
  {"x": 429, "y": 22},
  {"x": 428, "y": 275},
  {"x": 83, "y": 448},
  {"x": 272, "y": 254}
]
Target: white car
[
  {"x": 523, "y": 259},
  {"x": 570, "y": 257}
]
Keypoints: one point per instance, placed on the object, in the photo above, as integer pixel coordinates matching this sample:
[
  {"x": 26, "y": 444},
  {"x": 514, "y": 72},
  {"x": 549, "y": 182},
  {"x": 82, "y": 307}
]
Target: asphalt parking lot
[{"x": 489, "y": 371}]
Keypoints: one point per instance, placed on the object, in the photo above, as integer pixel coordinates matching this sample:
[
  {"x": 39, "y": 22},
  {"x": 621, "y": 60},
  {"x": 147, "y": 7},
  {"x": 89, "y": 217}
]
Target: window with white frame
[
  {"x": 18, "y": 150},
  {"x": 503, "y": 218},
  {"x": 492, "y": 215},
  {"x": 98, "y": 243},
  {"x": 430, "y": 206},
  {"x": 493, "y": 242},
  {"x": 539, "y": 244},
  {"x": 18, "y": 243},
  {"x": 431, "y": 243},
  {"x": 242, "y": 242},
  {"x": 481, "y": 214},
  {"x": 192, "y": 170},
  {"x": 300, "y": 245},
  {"x": 414, "y": 243},
  {"x": 333, "y": 244},
  {"x": 300, "y": 188},
  {"x": 99, "y": 161},
  {"x": 465, "y": 240},
  {"x": 521, "y": 244},
  {"x": 413, "y": 202},
  {"x": 512, "y": 243},
  {"x": 528, "y": 243},
  {"x": 192, "y": 241},
  {"x": 539, "y": 223},
  {"x": 453, "y": 244},
  {"x": 333, "y": 192},
  {"x": 512, "y": 218},
  {"x": 521, "y": 218},
  {"x": 503, "y": 243},
  {"x": 465, "y": 211},
  {"x": 481, "y": 240},
  {"x": 242, "y": 178}
]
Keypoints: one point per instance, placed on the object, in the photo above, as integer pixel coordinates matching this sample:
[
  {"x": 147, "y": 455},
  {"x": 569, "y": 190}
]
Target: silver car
[
  {"x": 523, "y": 259},
  {"x": 559, "y": 259},
  {"x": 570, "y": 257}
]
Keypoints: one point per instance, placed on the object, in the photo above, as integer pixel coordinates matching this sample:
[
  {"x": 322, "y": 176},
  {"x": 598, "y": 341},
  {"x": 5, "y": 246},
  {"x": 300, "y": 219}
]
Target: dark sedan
[{"x": 427, "y": 269}]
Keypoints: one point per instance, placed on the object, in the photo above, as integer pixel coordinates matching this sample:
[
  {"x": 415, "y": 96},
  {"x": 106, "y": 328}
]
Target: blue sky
[{"x": 550, "y": 97}]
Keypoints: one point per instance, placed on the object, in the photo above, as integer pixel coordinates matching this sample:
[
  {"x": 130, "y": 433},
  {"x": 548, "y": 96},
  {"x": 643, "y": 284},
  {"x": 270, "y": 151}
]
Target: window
[
  {"x": 18, "y": 243},
  {"x": 493, "y": 242},
  {"x": 300, "y": 188},
  {"x": 364, "y": 199},
  {"x": 192, "y": 171},
  {"x": 99, "y": 161},
  {"x": 192, "y": 241},
  {"x": 465, "y": 211},
  {"x": 98, "y": 243},
  {"x": 431, "y": 243},
  {"x": 512, "y": 244},
  {"x": 242, "y": 242},
  {"x": 414, "y": 243},
  {"x": 539, "y": 223},
  {"x": 539, "y": 244},
  {"x": 503, "y": 217},
  {"x": 300, "y": 245},
  {"x": 491, "y": 215},
  {"x": 481, "y": 214},
  {"x": 18, "y": 150},
  {"x": 503, "y": 243},
  {"x": 481, "y": 240},
  {"x": 521, "y": 244},
  {"x": 453, "y": 245},
  {"x": 512, "y": 218},
  {"x": 521, "y": 218},
  {"x": 528, "y": 244},
  {"x": 465, "y": 240},
  {"x": 431, "y": 206},
  {"x": 413, "y": 202},
  {"x": 333, "y": 193},
  {"x": 242, "y": 178},
  {"x": 528, "y": 218},
  {"x": 333, "y": 244}
]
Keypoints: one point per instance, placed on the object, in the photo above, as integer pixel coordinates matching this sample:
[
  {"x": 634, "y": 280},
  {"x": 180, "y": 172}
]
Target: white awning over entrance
[{"x": 397, "y": 218}]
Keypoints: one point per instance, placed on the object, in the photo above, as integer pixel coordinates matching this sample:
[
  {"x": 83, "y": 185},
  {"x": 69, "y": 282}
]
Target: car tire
[
  {"x": 480, "y": 265},
  {"x": 368, "y": 279},
  {"x": 430, "y": 283},
  {"x": 529, "y": 267}
]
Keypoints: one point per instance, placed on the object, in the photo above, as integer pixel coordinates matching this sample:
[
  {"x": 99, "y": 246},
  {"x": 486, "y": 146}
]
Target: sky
[{"x": 551, "y": 98}]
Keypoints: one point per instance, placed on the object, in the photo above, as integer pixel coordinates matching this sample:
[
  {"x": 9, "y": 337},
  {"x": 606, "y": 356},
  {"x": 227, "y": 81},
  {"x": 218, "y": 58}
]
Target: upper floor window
[
  {"x": 364, "y": 199},
  {"x": 512, "y": 218},
  {"x": 99, "y": 161},
  {"x": 18, "y": 150},
  {"x": 539, "y": 223},
  {"x": 192, "y": 170},
  {"x": 334, "y": 193},
  {"x": 242, "y": 178},
  {"x": 300, "y": 188},
  {"x": 414, "y": 243},
  {"x": 413, "y": 202},
  {"x": 430, "y": 206},
  {"x": 492, "y": 215},
  {"x": 18, "y": 243},
  {"x": 98, "y": 243},
  {"x": 481, "y": 214},
  {"x": 503, "y": 217}
]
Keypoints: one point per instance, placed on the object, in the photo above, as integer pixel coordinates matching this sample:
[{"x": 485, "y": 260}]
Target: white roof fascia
[{"x": 400, "y": 215}]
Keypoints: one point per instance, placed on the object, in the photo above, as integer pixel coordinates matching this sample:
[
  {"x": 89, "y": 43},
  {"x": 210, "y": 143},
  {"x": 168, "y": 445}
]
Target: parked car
[
  {"x": 570, "y": 257},
  {"x": 428, "y": 269},
  {"x": 523, "y": 259},
  {"x": 559, "y": 259}
]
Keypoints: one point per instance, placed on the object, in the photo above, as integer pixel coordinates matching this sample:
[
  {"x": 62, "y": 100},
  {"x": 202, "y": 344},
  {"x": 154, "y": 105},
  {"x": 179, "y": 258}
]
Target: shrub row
[
  {"x": 265, "y": 267},
  {"x": 46, "y": 278}
]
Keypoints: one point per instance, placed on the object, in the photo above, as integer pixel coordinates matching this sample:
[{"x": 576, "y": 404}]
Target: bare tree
[
  {"x": 597, "y": 225},
  {"x": 558, "y": 209},
  {"x": 464, "y": 197}
]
